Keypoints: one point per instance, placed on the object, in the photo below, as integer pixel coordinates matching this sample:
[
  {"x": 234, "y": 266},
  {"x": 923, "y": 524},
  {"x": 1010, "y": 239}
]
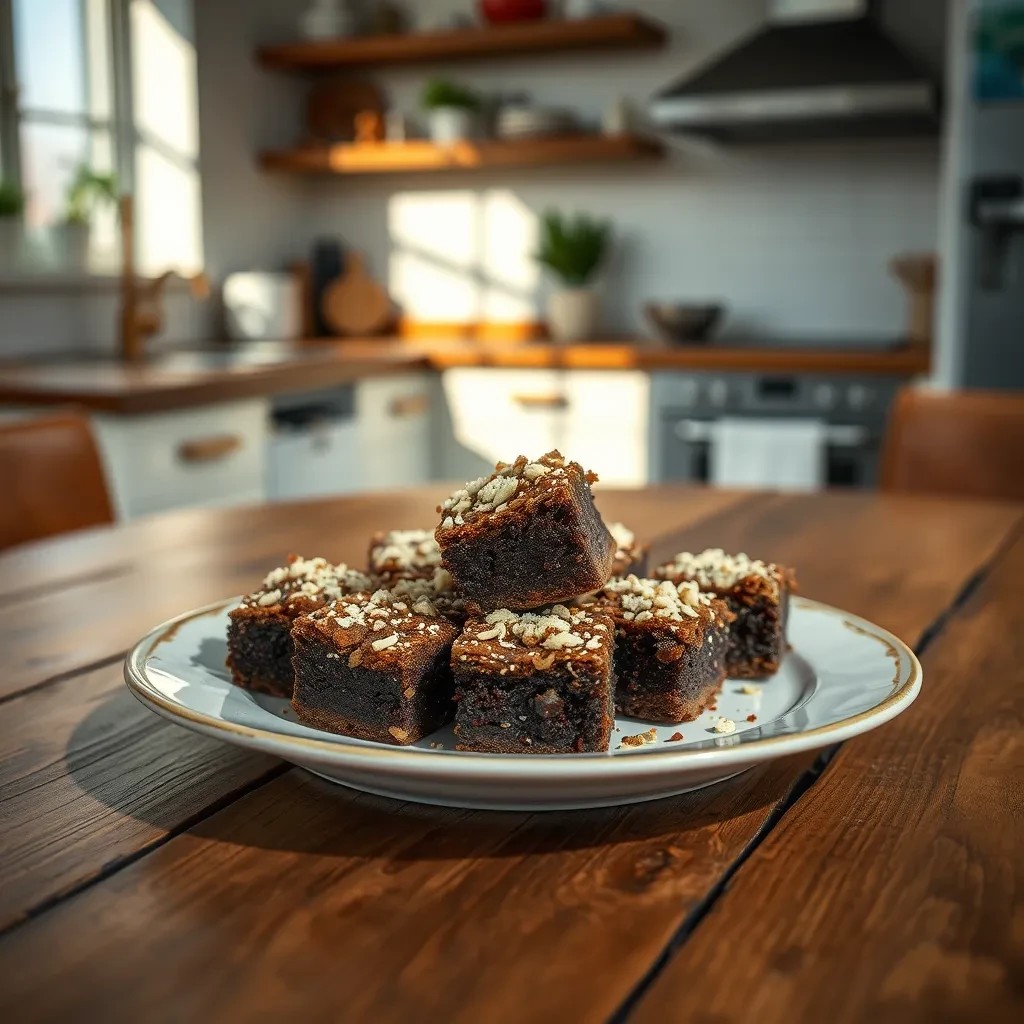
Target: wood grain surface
[
  {"x": 206, "y": 890},
  {"x": 904, "y": 865}
]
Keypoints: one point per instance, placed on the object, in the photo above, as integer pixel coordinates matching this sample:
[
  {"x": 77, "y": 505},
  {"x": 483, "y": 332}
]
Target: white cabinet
[
  {"x": 597, "y": 417},
  {"x": 371, "y": 435},
  {"x": 211, "y": 455}
]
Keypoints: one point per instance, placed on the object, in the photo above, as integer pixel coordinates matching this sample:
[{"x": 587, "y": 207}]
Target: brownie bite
[
  {"x": 528, "y": 535},
  {"x": 535, "y": 683},
  {"x": 756, "y": 592},
  {"x": 669, "y": 647},
  {"x": 259, "y": 631},
  {"x": 629, "y": 557},
  {"x": 374, "y": 667},
  {"x": 404, "y": 554}
]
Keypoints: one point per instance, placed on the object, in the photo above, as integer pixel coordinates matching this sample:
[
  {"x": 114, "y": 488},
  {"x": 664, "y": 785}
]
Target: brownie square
[
  {"x": 630, "y": 556},
  {"x": 404, "y": 554},
  {"x": 756, "y": 592},
  {"x": 535, "y": 683},
  {"x": 669, "y": 647},
  {"x": 259, "y": 632},
  {"x": 373, "y": 667},
  {"x": 528, "y": 535},
  {"x": 437, "y": 589}
]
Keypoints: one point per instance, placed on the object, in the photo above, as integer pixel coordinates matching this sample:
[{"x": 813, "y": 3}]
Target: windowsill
[{"x": 28, "y": 283}]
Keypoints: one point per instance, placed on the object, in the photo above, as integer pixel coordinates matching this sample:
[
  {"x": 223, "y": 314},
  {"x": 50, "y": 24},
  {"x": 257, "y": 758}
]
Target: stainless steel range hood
[{"x": 819, "y": 69}]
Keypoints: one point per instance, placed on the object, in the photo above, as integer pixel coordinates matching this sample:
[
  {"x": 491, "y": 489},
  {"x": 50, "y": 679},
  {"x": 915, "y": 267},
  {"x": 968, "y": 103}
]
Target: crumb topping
[
  {"x": 556, "y": 634},
  {"x": 724, "y": 726},
  {"x": 432, "y": 595},
  {"x": 625, "y": 538},
  {"x": 380, "y": 621},
  {"x": 404, "y": 551},
  {"x": 750, "y": 689},
  {"x": 508, "y": 483},
  {"x": 713, "y": 568},
  {"x": 643, "y": 599},
  {"x": 310, "y": 580}
]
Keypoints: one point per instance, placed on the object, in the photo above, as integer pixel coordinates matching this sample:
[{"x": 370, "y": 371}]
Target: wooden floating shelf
[
  {"x": 415, "y": 157},
  {"x": 612, "y": 31}
]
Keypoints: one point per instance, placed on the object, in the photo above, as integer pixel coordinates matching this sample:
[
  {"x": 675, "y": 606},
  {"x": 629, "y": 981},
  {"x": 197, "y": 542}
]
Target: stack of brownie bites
[{"x": 523, "y": 618}]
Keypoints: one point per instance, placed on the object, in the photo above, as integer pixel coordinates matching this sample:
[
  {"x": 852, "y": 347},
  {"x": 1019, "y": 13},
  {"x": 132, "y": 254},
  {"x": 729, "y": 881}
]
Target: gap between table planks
[
  {"x": 416, "y": 911},
  {"x": 904, "y": 865},
  {"x": 173, "y": 563}
]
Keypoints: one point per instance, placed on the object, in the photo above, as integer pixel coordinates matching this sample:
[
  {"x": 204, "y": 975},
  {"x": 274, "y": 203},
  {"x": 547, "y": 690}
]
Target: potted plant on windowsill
[
  {"x": 88, "y": 191},
  {"x": 452, "y": 109},
  {"x": 573, "y": 250},
  {"x": 12, "y": 227}
]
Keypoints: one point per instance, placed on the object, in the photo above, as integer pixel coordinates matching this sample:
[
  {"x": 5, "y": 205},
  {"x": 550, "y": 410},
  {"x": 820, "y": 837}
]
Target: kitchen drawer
[{"x": 209, "y": 456}]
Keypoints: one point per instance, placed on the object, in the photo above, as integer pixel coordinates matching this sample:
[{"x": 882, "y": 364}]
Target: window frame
[{"x": 119, "y": 122}]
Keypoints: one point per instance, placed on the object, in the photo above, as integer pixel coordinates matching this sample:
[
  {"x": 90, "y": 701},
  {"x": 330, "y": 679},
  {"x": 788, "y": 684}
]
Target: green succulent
[
  {"x": 440, "y": 92},
  {"x": 87, "y": 191},
  {"x": 12, "y": 199},
  {"x": 573, "y": 249}
]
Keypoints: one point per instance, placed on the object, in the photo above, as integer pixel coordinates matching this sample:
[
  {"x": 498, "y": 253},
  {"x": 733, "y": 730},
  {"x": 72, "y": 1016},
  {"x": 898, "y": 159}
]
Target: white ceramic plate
[{"x": 844, "y": 676}]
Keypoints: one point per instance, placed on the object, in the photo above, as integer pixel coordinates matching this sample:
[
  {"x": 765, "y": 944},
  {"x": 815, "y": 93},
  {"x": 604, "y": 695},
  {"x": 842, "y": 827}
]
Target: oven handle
[{"x": 836, "y": 435}]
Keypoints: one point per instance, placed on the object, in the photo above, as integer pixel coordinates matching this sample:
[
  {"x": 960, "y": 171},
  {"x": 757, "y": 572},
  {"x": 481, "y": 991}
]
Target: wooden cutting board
[{"x": 354, "y": 303}]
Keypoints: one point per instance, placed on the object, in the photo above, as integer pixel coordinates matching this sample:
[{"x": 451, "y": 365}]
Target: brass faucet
[{"x": 141, "y": 311}]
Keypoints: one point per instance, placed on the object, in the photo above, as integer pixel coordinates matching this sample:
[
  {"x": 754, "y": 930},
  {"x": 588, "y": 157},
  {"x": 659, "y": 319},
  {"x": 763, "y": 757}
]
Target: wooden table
[{"x": 150, "y": 874}]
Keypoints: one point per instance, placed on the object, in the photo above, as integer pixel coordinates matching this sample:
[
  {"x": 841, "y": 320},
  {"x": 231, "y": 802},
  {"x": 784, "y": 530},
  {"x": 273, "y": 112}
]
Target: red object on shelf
[{"x": 499, "y": 11}]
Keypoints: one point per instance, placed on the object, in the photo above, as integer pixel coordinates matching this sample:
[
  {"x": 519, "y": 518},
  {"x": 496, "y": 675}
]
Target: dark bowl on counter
[{"x": 681, "y": 323}]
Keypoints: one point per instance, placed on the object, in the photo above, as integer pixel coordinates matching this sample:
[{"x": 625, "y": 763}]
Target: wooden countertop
[
  {"x": 151, "y": 873},
  {"x": 185, "y": 378}
]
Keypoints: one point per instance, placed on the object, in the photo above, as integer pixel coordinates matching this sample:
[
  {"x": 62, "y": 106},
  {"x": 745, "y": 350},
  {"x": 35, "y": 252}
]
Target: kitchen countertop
[{"x": 183, "y": 378}]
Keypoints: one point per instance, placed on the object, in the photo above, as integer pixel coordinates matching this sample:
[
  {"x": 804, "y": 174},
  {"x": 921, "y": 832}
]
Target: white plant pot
[
  {"x": 73, "y": 246},
  {"x": 572, "y": 314},
  {"x": 12, "y": 243},
  {"x": 327, "y": 19},
  {"x": 452, "y": 124}
]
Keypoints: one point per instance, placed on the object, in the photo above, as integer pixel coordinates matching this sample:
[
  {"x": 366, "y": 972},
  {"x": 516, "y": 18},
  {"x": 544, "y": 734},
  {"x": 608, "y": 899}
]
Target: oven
[{"x": 690, "y": 407}]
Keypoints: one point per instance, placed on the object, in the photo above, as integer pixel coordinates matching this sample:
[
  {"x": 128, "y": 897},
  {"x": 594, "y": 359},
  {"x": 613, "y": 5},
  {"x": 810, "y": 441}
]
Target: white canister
[{"x": 452, "y": 124}]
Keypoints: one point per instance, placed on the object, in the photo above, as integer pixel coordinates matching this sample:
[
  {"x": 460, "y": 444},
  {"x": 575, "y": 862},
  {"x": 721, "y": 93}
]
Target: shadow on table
[{"x": 175, "y": 781}]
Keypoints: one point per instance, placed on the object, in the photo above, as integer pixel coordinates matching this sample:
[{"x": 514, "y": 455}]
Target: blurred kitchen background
[{"x": 681, "y": 240}]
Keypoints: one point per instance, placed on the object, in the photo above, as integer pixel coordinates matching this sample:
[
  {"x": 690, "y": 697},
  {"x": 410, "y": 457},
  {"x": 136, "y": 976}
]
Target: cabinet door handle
[
  {"x": 541, "y": 401},
  {"x": 405, "y": 406},
  {"x": 209, "y": 449}
]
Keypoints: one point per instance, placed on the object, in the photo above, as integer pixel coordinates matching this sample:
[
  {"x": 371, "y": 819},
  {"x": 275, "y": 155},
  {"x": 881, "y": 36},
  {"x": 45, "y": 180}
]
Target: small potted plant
[
  {"x": 12, "y": 229},
  {"x": 452, "y": 109},
  {"x": 573, "y": 250},
  {"x": 87, "y": 192}
]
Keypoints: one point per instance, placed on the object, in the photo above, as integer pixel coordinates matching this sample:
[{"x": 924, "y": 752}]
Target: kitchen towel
[{"x": 775, "y": 454}]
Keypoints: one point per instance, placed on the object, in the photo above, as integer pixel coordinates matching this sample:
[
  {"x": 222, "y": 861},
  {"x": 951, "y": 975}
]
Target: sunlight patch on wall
[{"x": 462, "y": 256}]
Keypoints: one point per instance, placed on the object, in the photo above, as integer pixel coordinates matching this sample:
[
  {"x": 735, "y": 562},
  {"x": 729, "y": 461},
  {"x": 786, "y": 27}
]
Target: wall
[{"x": 794, "y": 238}]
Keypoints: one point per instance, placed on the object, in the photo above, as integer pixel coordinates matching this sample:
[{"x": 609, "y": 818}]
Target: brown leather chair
[
  {"x": 966, "y": 444},
  {"x": 51, "y": 479}
]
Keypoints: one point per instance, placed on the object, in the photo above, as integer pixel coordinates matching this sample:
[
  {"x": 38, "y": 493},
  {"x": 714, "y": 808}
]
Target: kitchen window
[{"x": 110, "y": 85}]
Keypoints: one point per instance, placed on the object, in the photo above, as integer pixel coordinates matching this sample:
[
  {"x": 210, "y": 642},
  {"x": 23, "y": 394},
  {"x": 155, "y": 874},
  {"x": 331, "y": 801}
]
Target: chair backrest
[
  {"x": 51, "y": 478},
  {"x": 958, "y": 444}
]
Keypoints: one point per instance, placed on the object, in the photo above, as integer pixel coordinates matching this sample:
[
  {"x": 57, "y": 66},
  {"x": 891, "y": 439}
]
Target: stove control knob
[
  {"x": 718, "y": 392},
  {"x": 824, "y": 396},
  {"x": 858, "y": 396}
]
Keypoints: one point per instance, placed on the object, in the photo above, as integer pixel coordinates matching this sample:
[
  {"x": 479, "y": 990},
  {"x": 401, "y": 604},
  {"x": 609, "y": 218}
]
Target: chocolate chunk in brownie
[
  {"x": 756, "y": 592},
  {"x": 374, "y": 667},
  {"x": 535, "y": 683},
  {"x": 404, "y": 554},
  {"x": 259, "y": 632},
  {"x": 669, "y": 647},
  {"x": 630, "y": 557},
  {"x": 526, "y": 536}
]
